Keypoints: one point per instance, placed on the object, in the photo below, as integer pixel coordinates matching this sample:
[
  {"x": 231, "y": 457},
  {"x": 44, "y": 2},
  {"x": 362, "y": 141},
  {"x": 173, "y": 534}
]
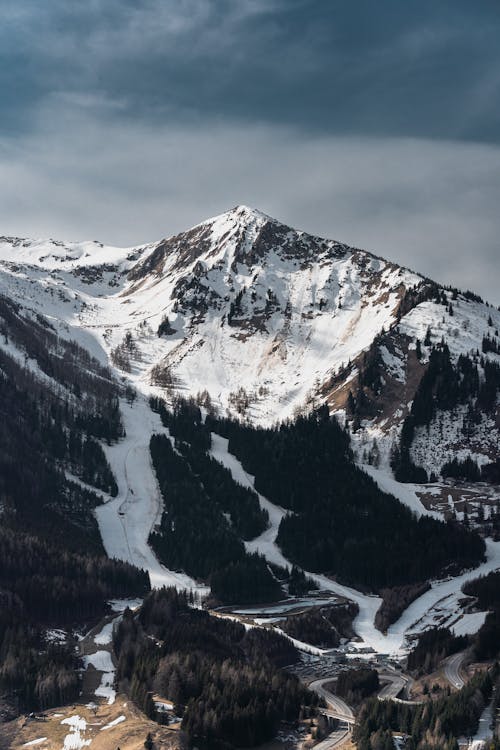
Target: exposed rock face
[{"x": 267, "y": 317}]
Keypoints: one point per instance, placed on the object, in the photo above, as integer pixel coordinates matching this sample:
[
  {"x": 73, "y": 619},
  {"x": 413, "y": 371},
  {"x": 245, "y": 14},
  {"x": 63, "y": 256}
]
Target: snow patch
[
  {"x": 102, "y": 662},
  {"x": 113, "y": 723},
  {"x": 74, "y": 739},
  {"x": 105, "y": 635},
  {"x": 35, "y": 742}
]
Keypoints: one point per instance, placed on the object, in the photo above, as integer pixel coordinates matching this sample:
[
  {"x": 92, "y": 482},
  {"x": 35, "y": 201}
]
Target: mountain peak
[{"x": 241, "y": 215}]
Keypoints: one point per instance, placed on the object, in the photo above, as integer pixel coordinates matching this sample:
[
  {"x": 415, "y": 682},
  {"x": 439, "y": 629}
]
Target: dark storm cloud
[
  {"x": 376, "y": 122},
  {"x": 337, "y": 66}
]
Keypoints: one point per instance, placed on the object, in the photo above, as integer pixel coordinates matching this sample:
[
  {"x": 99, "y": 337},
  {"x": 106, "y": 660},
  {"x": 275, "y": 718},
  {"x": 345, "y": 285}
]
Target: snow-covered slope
[
  {"x": 265, "y": 318},
  {"x": 265, "y": 321},
  {"x": 251, "y": 305}
]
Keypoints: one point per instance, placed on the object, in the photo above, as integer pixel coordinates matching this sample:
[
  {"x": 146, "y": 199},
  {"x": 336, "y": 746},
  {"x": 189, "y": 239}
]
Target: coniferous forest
[
  {"x": 207, "y": 514},
  {"x": 323, "y": 626},
  {"x": 223, "y": 680},
  {"x": 433, "y": 723},
  {"x": 196, "y": 536},
  {"x": 432, "y": 647},
  {"x": 53, "y": 570},
  {"x": 341, "y": 520}
]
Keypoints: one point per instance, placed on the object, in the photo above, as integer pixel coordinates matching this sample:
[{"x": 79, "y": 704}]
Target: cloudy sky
[{"x": 376, "y": 122}]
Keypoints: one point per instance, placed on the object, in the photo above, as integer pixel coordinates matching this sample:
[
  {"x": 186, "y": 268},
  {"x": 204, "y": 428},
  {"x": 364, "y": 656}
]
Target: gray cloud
[
  {"x": 126, "y": 121},
  {"x": 432, "y": 206},
  {"x": 421, "y": 69}
]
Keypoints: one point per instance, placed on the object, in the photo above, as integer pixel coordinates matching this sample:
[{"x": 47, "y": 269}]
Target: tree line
[{"x": 193, "y": 440}]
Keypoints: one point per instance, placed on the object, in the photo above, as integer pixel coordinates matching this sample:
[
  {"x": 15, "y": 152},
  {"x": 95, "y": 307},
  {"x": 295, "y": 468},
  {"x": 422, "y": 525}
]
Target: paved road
[
  {"x": 337, "y": 708},
  {"x": 394, "y": 687},
  {"x": 451, "y": 670},
  {"x": 397, "y": 683},
  {"x": 333, "y": 740}
]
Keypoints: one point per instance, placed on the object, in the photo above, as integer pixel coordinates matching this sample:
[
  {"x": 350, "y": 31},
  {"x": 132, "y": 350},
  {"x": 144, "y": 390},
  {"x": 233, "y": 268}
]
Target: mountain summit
[{"x": 267, "y": 321}]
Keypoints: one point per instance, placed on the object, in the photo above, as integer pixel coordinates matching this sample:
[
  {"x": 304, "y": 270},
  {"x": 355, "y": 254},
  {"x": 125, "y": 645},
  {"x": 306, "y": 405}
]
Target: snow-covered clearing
[
  {"x": 469, "y": 623},
  {"x": 126, "y": 521},
  {"x": 440, "y": 603},
  {"x": 303, "y": 646},
  {"x": 484, "y": 730},
  {"x": 102, "y": 662},
  {"x": 105, "y": 635}
]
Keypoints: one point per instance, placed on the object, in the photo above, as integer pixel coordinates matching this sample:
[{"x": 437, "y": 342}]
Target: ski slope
[
  {"x": 438, "y": 605},
  {"x": 126, "y": 521}
]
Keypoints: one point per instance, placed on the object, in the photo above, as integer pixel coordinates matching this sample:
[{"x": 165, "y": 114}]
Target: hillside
[{"x": 262, "y": 322}]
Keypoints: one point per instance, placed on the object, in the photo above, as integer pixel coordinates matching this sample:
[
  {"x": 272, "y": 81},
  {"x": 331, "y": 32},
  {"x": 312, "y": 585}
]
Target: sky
[{"x": 374, "y": 122}]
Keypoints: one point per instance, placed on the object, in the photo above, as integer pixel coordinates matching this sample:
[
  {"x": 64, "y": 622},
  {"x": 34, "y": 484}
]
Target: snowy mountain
[
  {"x": 263, "y": 322},
  {"x": 251, "y": 304},
  {"x": 267, "y": 319}
]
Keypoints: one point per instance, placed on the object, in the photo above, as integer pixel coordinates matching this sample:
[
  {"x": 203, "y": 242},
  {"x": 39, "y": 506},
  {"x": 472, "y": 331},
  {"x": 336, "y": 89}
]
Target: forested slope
[
  {"x": 340, "y": 521},
  {"x": 56, "y": 404},
  {"x": 223, "y": 680}
]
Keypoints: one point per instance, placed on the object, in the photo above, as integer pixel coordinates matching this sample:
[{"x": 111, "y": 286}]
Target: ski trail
[
  {"x": 266, "y": 545},
  {"x": 126, "y": 521},
  {"x": 418, "y": 616}
]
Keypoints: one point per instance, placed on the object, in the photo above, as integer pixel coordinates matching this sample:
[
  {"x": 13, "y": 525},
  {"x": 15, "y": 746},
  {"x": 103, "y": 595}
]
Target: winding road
[
  {"x": 336, "y": 707},
  {"x": 451, "y": 670}
]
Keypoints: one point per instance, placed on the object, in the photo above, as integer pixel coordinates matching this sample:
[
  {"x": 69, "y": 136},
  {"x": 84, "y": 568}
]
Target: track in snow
[{"x": 126, "y": 521}]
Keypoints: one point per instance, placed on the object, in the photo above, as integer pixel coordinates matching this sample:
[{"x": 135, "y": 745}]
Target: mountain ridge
[
  {"x": 119, "y": 367},
  {"x": 267, "y": 319}
]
